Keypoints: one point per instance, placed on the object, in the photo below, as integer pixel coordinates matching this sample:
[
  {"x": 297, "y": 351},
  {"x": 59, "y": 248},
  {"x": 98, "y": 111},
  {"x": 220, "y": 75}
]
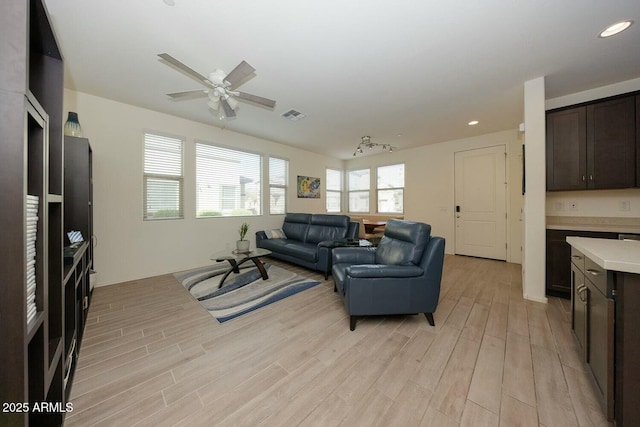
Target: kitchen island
[{"x": 605, "y": 298}]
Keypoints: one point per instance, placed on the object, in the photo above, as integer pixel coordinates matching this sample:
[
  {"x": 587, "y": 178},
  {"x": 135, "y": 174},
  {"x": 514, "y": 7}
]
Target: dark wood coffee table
[{"x": 236, "y": 259}]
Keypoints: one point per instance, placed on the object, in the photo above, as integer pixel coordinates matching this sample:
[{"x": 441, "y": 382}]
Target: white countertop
[{"x": 610, "y": 254}]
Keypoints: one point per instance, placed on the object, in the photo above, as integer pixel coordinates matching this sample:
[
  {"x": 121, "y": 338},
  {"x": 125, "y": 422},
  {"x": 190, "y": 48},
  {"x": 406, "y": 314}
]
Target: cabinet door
[
  {"x": 600, "y": 336},
  {"x": 638, "y": 141},
  {"x": 611, "y": 144},
  {"x": 579, "y": 309},
  {"x": 566, "y": 149}
]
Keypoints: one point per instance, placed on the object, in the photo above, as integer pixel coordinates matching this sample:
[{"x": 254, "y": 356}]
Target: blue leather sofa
[
  {"x": 401, "y": 275},
  {"x": 309, "y": 239}
]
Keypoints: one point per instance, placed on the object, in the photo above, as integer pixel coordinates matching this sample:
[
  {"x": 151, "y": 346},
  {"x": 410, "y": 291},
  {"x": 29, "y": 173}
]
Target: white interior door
[{"x": 480, "y": 203}]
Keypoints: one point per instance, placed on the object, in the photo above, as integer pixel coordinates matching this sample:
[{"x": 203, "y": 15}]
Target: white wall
[
  {"x": 429, "y": 183},
  {"x": 592, "y": 203},
  {"x": 129, "y": 248},
  {"x": 533, "y": 265}
]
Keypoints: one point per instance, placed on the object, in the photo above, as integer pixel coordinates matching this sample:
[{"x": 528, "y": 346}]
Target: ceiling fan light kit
[
  {"x": 223, "y": 99},
  {"x": 366, "y": 143}
]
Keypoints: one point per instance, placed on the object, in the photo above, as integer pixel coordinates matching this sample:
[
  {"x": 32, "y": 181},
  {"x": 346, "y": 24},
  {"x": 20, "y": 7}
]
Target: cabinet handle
[
  {"x": 581, "y": 290},
  {"x": 576, "y": 257},
  {"x": 590, "y": 177},
  {"x": 583, "y": 178},
  {"x": 593, "y": 272}
]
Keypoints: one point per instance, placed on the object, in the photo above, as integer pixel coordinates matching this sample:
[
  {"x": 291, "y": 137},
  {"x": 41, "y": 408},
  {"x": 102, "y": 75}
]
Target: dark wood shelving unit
[{"x": 35, "y": 357}]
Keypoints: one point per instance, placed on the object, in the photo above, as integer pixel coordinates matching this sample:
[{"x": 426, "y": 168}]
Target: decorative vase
[
  {"x": 72, "y": 125},
  {"x": 242, "y": 245}
]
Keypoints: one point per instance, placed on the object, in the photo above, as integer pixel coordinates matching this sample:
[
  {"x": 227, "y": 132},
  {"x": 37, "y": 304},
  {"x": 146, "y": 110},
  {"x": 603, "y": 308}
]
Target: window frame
[
  {"x": 260, "y": 158},
  {"x": 366, "y": 191},
  {"x": 331, "y": 190},
  {"x": 378, "y": 189},
  {"x": 284, "y": 187},
  {"x": 148, "y": 176}
]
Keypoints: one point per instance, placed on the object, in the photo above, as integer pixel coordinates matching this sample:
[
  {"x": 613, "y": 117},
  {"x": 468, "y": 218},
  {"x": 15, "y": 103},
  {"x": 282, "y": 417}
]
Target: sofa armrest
[
  {"x": 354, "y": 230},
  {"x": 354, "y": 255},
  {"x": 384, "y": 271},
  {"x": 260, "y": 236}
]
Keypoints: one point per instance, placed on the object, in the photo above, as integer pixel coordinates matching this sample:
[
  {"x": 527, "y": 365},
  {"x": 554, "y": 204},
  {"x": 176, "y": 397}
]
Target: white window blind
[
  {"x": 359, "y": 182},
  {"x": 163, "y": 177},
  {"x": 278, "y": 184},
  {"x": 390, "y": 189},
  {"x": 227, "y": 181},
  {"x": 334, "y": 190}
]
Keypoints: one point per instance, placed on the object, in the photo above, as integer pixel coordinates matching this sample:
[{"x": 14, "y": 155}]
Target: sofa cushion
[
  {"x": 403, "y": 243},
  {"x": 303, "y": 251},
  {"x": 327, "y": 227},
  {"x": 295, "y": 226}
]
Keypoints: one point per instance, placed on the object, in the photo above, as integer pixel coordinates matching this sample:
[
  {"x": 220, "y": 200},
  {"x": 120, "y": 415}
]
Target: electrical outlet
[
  {"x": 573, "y": 206},
  {"x": 625, "y": 205}
]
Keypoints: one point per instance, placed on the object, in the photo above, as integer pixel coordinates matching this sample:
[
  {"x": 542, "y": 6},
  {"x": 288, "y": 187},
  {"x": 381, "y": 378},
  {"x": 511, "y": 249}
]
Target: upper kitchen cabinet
[
  {"x": 567, "y": 149},
  {"x": 592, "y": 146},
  {"x": 637, "y": 140}
]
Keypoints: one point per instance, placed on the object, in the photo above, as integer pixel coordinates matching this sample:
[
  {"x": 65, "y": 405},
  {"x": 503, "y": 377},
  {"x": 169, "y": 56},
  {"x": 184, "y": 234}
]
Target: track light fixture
[{"x": 366, "y": 143}]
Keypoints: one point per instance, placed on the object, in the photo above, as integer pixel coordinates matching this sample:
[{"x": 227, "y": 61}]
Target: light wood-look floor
[{"x": 152, "y": 356}]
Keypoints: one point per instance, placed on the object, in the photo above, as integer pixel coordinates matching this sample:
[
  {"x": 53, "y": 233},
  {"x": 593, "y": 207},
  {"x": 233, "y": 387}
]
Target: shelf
[
  {"x": 54, "y": 198},
  {"x": 33, "y": 326}
]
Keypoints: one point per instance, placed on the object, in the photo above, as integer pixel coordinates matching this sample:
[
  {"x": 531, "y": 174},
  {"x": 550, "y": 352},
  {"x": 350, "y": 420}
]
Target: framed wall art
[{"x": 308, "y": 187}]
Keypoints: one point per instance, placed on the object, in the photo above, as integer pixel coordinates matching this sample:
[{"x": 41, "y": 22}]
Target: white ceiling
[{"x": 405, "y": 72}]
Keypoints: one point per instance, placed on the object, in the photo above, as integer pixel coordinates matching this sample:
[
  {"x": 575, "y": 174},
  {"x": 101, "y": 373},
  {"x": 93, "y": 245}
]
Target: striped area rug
[{"x": 241, "y": 293}]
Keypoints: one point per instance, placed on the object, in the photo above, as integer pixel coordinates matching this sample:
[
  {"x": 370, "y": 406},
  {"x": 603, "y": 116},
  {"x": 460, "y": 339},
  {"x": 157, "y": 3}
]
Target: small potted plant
[{"x": 243, "y": 245}]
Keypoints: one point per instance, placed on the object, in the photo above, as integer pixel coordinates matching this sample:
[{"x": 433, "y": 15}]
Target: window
[
  {"x": 278, "y": 180},
  {"x": 227, "y": 181},
  {"x": 359, "y": 181},
  {"x": 391, "y": 189},
  {"x": 163, "y": 181},
  {"x": 334, "y": 190}
]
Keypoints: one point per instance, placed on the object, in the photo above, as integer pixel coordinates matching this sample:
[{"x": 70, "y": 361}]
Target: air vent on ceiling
[{"x": 294, "y": 115}]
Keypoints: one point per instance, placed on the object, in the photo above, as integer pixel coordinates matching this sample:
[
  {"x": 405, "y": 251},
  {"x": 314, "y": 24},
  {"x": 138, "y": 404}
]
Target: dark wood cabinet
[
  {"x": 558, "y": 277},
  {"x": 627, "y": 349},
  {"x": 592, "y": 146},
  {"x": 592, "y": 322},
  {"x": 637, "y": 140},
  {"x": 611, "y": 144},
  {"x": 567, "y": 149},
  {"x": 31, "y": 156},
  {"x": 37, "y": 327},
  {"x": 78, "y": 216}
]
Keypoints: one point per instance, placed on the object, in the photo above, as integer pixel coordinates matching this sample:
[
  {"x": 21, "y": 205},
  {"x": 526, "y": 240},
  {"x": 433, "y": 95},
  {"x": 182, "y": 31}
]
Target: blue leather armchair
[{"x": 400, "y": 276}]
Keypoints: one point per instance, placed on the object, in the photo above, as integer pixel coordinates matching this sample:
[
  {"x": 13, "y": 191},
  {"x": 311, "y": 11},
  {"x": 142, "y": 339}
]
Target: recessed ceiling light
[
  {"x": 616, "y": 28},
  {"x": 473, "y": 122}
]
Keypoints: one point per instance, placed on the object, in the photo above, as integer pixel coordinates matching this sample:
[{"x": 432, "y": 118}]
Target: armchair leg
[
  {"x": 429, "y": 317},
  {"x": 352, "y": 322},
  {"x": 335, "y": 287},
  {"x": 326, "y": 275}
]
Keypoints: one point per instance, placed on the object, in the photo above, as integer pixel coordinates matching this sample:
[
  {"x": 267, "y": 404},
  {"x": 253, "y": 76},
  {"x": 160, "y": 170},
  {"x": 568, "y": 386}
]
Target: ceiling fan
[{"x": 220, "y": 87}]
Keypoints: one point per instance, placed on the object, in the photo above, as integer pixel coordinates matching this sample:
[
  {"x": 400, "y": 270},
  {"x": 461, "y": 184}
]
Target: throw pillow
[{"x": 276, "y": 233}]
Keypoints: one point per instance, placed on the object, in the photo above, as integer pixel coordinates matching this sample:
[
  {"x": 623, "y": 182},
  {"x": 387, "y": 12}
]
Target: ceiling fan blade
[
  {"x": 228, "y": 111},
  {"x": 189, "y": 94},
  {"x": 238, "y": 74},
  {"x": 185, "y": 69},
  {"x": 257, "y": 99}
]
